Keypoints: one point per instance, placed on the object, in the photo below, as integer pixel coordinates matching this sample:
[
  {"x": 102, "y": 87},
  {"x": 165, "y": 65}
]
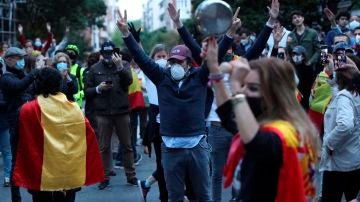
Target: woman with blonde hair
[
  {"x": 276, "y": 141},
  {"x": 69, "y": 85}
]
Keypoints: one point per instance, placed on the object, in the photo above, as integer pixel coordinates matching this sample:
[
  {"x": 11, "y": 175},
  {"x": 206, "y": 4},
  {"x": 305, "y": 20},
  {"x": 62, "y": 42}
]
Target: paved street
[{"x": 119, "y": 191}]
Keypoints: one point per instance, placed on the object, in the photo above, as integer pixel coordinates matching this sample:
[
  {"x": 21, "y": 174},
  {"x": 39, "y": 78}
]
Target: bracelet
[
  {"x": 238, "y": 98},
  {"x": 216, "y": 77}
]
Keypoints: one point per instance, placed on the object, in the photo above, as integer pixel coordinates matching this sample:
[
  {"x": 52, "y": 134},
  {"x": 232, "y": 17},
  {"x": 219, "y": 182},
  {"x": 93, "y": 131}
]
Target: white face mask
[
  {"x": 244, "y": 41},
  {"x": 353, "y": 24},
  {"x": 161, "y": 62},
  {"x": 357, "y": 39},
  {"x": 177, "y": 72},
  {"x": 297, "y": 59}
]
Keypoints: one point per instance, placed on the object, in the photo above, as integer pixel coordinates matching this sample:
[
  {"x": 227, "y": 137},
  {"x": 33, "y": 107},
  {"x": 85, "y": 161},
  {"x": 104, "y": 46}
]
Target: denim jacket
[{"x": 341, "y": 146}]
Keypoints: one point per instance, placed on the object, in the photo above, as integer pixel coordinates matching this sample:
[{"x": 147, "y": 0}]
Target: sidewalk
[{"x": 119, "y": 190}]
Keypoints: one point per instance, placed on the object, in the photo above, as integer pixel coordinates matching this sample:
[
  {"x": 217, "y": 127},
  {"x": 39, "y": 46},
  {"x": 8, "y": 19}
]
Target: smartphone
[
  {"x": 281, "y": 55},
  {"x": 324, "y": 54},
  {"x": 339, "y": 59},
  {"x": 117, "y": 51},
  {"x": 109, "y": 82}
]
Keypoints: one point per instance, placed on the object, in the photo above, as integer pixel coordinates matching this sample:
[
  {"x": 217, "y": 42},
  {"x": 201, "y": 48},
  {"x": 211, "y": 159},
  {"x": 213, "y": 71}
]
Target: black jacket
[
  {"x": 115, "y": 100},
  {"x": 69, "y": 88},
  {"x": 17, "y": 88}
]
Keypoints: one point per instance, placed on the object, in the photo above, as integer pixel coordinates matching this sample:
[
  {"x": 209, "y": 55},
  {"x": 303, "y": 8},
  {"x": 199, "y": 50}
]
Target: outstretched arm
[
  {"x": 228, "y": 38},
  {"x": 148, "y": 65},
  {"x": 48, "y": 40},
  {"x": 21, "y": 37},
  {"x": 185, "y": 35},
  {"x": 260, "y": 43}
]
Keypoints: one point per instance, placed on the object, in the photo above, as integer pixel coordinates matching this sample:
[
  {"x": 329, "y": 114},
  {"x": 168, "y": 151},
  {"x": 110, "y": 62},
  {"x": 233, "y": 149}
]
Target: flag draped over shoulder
[
  {"x": 295, "y": 179},
  {"x": 57, "y": 148}
]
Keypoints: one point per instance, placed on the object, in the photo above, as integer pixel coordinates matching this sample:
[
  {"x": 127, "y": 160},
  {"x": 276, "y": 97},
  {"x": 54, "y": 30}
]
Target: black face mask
[
  {"x": 255, "y": 104},
  {"x": 72, "y": 56},
  {"x": 107, "y": 60},
  {"x": 228, "y": 57}
]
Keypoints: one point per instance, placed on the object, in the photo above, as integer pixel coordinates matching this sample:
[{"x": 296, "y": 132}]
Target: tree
[
  {"x": 77, "y": 14},
  {"x": 149, "y": 39}
]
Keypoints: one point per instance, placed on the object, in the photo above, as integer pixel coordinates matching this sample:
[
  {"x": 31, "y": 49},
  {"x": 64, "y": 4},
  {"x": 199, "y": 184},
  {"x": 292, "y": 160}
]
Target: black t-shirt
[
  {"x": 260, "y": 168},
  {"x": 261, "y": 163}
]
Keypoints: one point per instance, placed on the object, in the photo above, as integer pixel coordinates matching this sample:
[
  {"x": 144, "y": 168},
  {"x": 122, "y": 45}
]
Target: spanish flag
[
  {"x": 296, "y": 174},
  {"x": 57, "y": 148},
  {"x": 135, "y": 95}
]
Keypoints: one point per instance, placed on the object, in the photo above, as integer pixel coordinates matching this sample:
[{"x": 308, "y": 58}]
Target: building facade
[{"x": 156, "y": 16}]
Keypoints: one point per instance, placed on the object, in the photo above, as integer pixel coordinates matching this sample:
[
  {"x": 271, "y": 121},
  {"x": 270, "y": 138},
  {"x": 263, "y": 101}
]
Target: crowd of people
[{"x": 274, "y": 115}]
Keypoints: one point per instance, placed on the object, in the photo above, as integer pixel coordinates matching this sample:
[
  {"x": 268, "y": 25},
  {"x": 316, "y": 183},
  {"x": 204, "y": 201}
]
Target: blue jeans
[
  {"x": 193, "y": 162},
  {"x": 220, "y": 141},
  {"x": 5, "y": 149}
]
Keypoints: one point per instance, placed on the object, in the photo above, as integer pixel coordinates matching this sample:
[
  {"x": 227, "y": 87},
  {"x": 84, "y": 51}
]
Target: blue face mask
[
  {"x": 61, "y": 66},
  {"x": 37, "y": 43},
  {"x": 20, "y": 64}
]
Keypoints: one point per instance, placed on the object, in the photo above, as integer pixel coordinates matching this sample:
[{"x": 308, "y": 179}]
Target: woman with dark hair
[
  {"x": 69, "y": 82},
  {"x": 57, "y": 151},
  {"x": 340, "y": 157},
  {"x": 275, "y": 139}
]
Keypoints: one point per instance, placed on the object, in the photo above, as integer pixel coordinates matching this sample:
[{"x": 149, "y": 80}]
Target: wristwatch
[{"x": 238, "y": 98}]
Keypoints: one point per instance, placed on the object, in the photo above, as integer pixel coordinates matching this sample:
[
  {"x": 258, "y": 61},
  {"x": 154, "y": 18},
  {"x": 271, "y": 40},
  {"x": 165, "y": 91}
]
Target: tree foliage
[
  {"x": 77, "y": 14},
  {"x": 149, "y": 39},
  {"x": 253, "y": 13}
]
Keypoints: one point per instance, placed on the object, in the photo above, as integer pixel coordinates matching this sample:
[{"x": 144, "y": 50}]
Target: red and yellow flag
[
  {"x": 295, "y": 179},
  {"x": 135, "y": 95},
  {"x": 57, "y": 148}
]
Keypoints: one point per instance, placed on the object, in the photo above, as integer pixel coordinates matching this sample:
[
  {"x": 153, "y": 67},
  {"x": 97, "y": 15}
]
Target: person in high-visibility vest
[{"x": 78, "y": 71}]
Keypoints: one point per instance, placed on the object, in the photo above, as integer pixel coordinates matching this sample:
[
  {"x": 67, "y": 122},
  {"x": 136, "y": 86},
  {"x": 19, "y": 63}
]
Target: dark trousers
[
  {"x": 121, "y": 123},
  {"x": 187, "y": 164},
  {"x": 140, "y": 113},
  {"x": 159, "y": 172},
  {"x": 56, "y": 196},
  {"x": 335, "y": 184},
  {"x": 13, "y": 121},
  {"x": 138, "y": 116}
]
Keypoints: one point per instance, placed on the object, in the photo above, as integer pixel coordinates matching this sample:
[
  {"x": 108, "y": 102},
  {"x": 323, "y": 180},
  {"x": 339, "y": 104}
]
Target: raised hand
[
  {"x": 20, "y": 28},
  {"x": 236, "y": 23},
  {"x": 212, "y": 55},
  {"x": 48, "y": 27},
  {"x": 122, "y": 24},
  {"x": 239, "y": 70},
  {"x": 330, "y": 16},
  {"x": 134, "y": 32},
  {"x": 174, "y": 14},
  {"x": 274, "y": 10},
  {"x": 117, "y": 59}
]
